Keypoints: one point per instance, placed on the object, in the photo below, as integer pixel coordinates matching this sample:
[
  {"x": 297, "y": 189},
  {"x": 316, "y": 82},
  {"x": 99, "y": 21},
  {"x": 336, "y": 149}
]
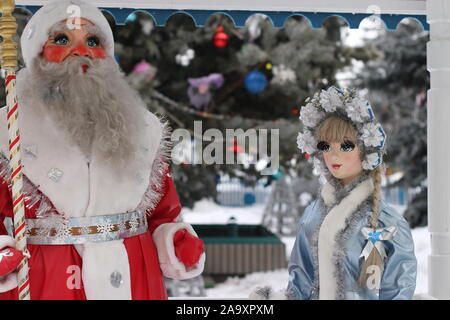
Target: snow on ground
[{"x": 208, "y": 212}]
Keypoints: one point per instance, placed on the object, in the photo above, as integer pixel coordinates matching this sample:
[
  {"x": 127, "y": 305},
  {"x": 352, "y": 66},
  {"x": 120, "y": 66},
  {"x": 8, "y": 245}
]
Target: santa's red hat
[{"x": 37, "y": 30}]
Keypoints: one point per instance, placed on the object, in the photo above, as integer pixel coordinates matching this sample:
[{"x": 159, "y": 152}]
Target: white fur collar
[
  {"x": 331, "y": 225},
  {"x": 328, "y": 195},
  {"x": 75, "y": 185}
]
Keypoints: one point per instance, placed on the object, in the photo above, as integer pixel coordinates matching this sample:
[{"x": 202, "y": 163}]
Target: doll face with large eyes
[
  {"x": 342, "y": 159},
  {"x": 72, "y": 43}
]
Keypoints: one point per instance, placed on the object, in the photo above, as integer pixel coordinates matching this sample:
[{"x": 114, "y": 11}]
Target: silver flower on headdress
[
  {"x": 359, "y": 110},
  {"x": 306, "y": 142},
  {"x": 373, "y": 135},
  {"x": 310, "y": 115},
  {"x": 330, "y": 100},
  {"x": 372, "y": 161}
]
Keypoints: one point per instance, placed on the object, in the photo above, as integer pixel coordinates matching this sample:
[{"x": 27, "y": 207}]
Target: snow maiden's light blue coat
[{"x": 329, "y": 243}]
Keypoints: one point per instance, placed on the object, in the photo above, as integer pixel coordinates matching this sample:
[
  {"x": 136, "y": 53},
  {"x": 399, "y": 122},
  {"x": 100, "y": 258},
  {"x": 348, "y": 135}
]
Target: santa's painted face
[
  {"x": 72, "y": 43},
  {"x": 342, "y": 159}
]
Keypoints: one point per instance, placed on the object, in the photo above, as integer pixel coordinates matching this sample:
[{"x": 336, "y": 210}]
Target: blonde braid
[
  {"x": 376, "y": 196},
  {"x": 374, "y": 258}
]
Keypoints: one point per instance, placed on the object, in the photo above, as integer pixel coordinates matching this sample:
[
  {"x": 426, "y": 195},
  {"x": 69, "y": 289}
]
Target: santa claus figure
[{"x": 100, "y": 206}]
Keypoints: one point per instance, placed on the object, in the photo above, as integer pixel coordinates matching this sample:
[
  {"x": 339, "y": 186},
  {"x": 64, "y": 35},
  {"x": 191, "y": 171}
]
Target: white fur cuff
[
  {"x": 7, "y": 241},
  {"x": 170, "y": 265},
  {"x": 8, "y": 282}
]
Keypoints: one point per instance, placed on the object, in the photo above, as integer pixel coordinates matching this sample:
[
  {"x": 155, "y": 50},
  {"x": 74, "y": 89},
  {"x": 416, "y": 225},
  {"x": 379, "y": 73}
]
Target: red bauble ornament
[
  {"x": 306, "y": 156},
  {"x": 295, "y": 111},
  {"x": 236, "y": 148},
  {"x": 220, "y": 38}
]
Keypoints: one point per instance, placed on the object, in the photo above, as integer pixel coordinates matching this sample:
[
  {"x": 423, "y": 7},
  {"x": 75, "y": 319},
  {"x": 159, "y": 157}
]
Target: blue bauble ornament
[{"x": 255, "y": 81}]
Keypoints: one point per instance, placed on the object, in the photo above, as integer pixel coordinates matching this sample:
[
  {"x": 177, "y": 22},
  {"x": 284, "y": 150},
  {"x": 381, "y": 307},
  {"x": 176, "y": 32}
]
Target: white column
[{"x": 438, "y": 64}]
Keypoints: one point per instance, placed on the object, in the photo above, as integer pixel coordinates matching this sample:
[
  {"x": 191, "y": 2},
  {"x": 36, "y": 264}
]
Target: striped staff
[{"x": 8, "y": 28}]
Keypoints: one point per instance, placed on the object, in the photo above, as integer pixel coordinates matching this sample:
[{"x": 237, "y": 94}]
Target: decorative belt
[{"x": 54, "y": 230}]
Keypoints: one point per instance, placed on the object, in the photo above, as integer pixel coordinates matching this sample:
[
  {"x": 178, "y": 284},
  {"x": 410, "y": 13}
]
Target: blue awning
[{"x": 161, "y": 16}]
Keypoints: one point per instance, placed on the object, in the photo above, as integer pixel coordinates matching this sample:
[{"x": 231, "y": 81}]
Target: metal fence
[{"x": 234, "y": 193}]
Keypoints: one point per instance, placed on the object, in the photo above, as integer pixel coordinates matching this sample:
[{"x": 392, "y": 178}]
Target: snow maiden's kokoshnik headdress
[{"x": 347, "y": 105}]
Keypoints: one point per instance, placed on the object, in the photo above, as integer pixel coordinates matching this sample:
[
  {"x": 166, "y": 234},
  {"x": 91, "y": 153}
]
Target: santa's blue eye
[
  {"x": 347, "y": 146},
  {"x": 61, "y": 39},
  {"x": 93, "y": 42},
  {"x": 323, "y": 146}
]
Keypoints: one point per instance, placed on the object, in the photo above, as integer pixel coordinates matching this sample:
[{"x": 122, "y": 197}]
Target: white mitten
[{"x": 7, "y": 241}]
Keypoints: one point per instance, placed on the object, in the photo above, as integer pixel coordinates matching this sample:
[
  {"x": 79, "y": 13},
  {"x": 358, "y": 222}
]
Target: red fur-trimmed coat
[{"x": 91, "y": 187}]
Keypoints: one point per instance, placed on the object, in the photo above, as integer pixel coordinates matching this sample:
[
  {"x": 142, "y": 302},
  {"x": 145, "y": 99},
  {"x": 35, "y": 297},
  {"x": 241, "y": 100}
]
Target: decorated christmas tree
[{"x": 250, "y": 78}]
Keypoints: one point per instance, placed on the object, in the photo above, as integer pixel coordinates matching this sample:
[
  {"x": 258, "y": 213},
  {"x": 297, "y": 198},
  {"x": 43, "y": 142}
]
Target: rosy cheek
[
  {"x": 354, "y": 161},
  {"x": 98, "y": 53},
  {"x": 55, "y": 53},
  {"x": 326, "y": 157}
]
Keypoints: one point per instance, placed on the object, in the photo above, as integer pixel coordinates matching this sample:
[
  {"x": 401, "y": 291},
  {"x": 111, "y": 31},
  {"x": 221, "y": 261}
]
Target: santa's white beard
[{"x": 96, "y": 107}]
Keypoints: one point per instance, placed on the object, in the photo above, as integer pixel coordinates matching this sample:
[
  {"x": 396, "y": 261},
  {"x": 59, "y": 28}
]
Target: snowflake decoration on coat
[
  {"x": 122, "y": 227},
  {"x": 85, "y": 230},
  {"x": 105, "y": 227},
  {"x": 134, "y": 224},
  {"x": 63, "y": 231}
]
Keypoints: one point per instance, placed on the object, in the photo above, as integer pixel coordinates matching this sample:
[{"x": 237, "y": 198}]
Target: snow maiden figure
[{"x": 350, "y": 243}]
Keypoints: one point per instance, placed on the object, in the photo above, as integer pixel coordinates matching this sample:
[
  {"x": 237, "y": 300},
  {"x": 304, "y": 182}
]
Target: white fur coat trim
[
  {"x": 170, "y": 265},
  {"x": 100, "y": 261},
  {"x": 7, "y": 241},
  {"x": 328, "y": 194},
  {"x": 8, "y": 282},
  {"x": 331, "y": 225}
]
